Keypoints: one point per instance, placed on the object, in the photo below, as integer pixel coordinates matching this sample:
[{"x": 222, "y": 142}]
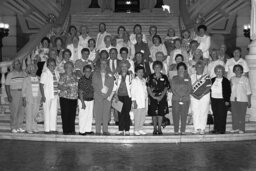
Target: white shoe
[
  {"x": 136, "y": 133},
  {"x": 120, "y": 133},
  {"x": 201, "y": 132},
  {"x": 21, "y": 130},
  {"x": 142, "y": 132},
  {"x": 14, "y": 131},
  {"x": 30, "y": 132},
  {"x": 127, "y": 133},
  {"x": 234, "y": 131}
]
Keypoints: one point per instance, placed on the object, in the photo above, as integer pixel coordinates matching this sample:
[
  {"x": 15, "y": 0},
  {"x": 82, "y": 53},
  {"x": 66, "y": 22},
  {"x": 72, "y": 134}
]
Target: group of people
[{"x": 129, "y": 75}]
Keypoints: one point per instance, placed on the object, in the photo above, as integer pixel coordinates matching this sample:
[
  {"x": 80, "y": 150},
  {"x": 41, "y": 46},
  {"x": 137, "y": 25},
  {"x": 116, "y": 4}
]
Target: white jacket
[
  {"x": 139, "y": 92},
  {"x": 128, "y": 81}
]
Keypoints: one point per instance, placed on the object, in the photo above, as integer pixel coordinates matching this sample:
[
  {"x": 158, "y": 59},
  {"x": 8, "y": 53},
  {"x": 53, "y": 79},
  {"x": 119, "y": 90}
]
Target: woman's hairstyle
[
  {"x": 106, "y": 37},
  {"x": 45, "y": 39},
  {"x": 158, "y": 37},
  {"x": 124, "y": 49},
  {"x": 181, "y": 64},
  {"x": 113, "y": 49},
  {"x": 194, "y": 42},
  {"x": 200, "y": 63},
  {"x": 103, "y": 25},
  {"x": 67, "y": 51},
  {"x": 179, "y": 55},
  {"x": 184, "y": 31},
  {"x": 219, "y": 67},
  {"x": 172, "y": 30},
  {"x": 104, "y": 51},
  {"x": 92, "y": 40},
  {"x": 152, "y": 26},
  {"x": 126, "y": 63},
  {"x": 120, "y": 27},
  {"x": 155, "y": 63},
  {"x": 51, "y": 60},
  {"x": 16, "y": 60},
  {"x": 177, "y": 40},
  {"x": 68, "y": 63},
  {"x": 31, "y": 67},
  {"x": 238, "y": 66},
  {"x": 202, "y": 27},
  {"x": 237, "y": 48},
  {"x": 85, "y": 50},
  {"x": 137, "y": 25},
  {"x": 58, "y": 39},
  {"x": 159, "y": 53},
  {"x": 87, "y": 67},
  {"x": 139, "y": 67},
  {"x": 80, "y": 29},
  {"x": 139, "y": 53},
  {"x": 75, "y": 37},
  {"x": 72, "y": 27}
]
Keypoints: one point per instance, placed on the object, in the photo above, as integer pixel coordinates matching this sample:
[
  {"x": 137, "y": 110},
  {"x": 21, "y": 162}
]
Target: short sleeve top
[
  {"x": 158, "y": 85},
  {"x": 72, "y": 84}
]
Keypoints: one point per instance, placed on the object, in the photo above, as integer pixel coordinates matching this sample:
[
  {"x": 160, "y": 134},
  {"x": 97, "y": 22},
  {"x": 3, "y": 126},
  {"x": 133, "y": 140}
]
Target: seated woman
[
  {"x": 181, "y": 88},
  {"x": 123, "y": 93},
  {"x": 31, "y": 98},
  {"x": 200, "y": 98},
  {"x": 220, "y": 99},
  {"x": 68, "y": 86},
  {"x": 41, "y": 54},
  {"x": 158, "y": 85},
  {"x": 240, "y": 99},
  {"x": 157, "y": 47},
  {"x": 103, "y": 83},
  {"x": 139, "y": 97}
]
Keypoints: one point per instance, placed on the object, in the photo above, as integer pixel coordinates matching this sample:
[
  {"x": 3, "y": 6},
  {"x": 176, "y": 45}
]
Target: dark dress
[{"x": 157, "y": 86}]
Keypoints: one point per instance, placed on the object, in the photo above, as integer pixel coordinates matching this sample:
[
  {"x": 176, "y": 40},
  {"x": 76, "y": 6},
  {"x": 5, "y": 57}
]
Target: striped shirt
[
  {"x": 55, "y": 84},
  {"x": 15, "y": 79},
  {"x": 35, "y": 86}
]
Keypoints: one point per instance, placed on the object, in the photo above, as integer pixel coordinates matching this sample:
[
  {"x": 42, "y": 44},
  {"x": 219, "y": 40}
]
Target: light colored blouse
[
  {"x": 240, "y": 89},
  {"x": 217, "y": 89}
]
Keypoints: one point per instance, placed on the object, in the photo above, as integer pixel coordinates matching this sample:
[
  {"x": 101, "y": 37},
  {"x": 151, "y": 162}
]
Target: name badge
[{"x": 186, "y": 79}]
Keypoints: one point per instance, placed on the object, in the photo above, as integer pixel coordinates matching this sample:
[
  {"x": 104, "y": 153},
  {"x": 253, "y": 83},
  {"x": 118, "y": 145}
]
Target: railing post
[{"x": 3, "y": 70}]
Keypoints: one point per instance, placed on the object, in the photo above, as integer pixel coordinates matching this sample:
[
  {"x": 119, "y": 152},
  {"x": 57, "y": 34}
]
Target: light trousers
[
  {"x": 17, "y": 110},
  {"x": 31, "y": 109},
  {"x": 139, "y": 118},
  {"x": 85, "y": 116},
  {"x": 238, "y": 110},
  {"x": 50, "y": 114},
  {"x": 101, "y": 112},
  {"x": 200, "y": 109}
]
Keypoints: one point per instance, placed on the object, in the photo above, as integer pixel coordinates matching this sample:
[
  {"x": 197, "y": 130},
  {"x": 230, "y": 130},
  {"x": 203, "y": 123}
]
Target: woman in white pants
[
  {"x": 49, "y": 91},
  {"x": 200, "y": 98},
  {"x": 85, "y": 102}
]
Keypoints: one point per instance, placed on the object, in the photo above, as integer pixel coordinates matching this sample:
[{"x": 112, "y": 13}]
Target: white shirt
[
  {"x": 217, "y": 89},
  {"x": 230, "y": 65},
  {"x": 92, "y": 55},
  {"x": 139, "y": 92},
  {"x": 154, "y": 49},
  {"x": 133, "y": 38},
  {"x": 111, "y": 61},
  {"x": 204, "y": 45},
  {"x": 83, "y": 42},
  {"x": 76, "y": 52},
  {"x": 129, "y": 46},
  {"x": 100, "y": 40},
  {"x": 212, "y": 65},
  {"x": 47, "y": 81},
  {"x": 240, "y": 89}
]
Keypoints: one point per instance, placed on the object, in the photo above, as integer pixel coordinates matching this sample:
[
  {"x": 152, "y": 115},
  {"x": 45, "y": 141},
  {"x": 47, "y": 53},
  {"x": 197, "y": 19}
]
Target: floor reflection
[{"x": 25, "y": 155}]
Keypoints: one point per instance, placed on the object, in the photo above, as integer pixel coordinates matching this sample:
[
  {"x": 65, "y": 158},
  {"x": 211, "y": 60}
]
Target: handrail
[
  {"x": 188, "y": 22},
  {"x": 28, "y": 49}
]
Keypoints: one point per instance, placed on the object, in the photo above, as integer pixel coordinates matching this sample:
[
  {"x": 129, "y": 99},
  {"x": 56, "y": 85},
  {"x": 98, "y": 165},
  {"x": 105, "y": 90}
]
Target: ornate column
[
  {"x": 251, "y": 60},
  {"x": 3, "y": 70}
]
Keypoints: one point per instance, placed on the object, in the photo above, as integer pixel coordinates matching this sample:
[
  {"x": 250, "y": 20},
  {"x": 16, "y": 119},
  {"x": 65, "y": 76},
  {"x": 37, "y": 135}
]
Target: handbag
[{"x": 39, "y": 116}]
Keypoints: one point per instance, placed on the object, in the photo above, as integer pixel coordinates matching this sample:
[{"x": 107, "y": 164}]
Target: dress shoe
[
  {"x": 160, "y": 132},
  {"x": 106, "y": 133},
  {"x": 155, "y": 132},
  {"x": 82, "y": 133},
  {"x": 97, "y": 133},
  {"x": 142, "y": 132},
  {"x": 89, "y": 133}
]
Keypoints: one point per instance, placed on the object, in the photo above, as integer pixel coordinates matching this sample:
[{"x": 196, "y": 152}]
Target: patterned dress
[{"x": 157, "y": 85}]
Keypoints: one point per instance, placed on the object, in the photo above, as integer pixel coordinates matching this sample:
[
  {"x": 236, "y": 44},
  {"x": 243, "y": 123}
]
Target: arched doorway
[{"x": 127, "y": 5}]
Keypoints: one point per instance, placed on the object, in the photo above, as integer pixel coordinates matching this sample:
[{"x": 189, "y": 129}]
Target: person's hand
[
  {"x": 9, "y": 99},
  {"x": 83, "y": 106},
  {"x": 43, "y": 99},
  {"x": 116, "y": 99},
  {"x": 135, "y": 106},
  {"x": 227, "y": 103},
  {"x": 24, "y": 101},
  {"x": 249, "y": 105}
]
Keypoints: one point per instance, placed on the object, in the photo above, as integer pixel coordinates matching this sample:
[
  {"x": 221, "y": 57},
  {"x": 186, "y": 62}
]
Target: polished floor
[{"x": 227, "y": 156}]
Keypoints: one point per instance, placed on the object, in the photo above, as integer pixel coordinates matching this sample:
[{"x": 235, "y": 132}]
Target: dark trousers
[
  {"x": 219, "y": 110},
  {"x": 124, "y": 115},
  {"x": 68, "y": 114},
  {"x": 180, "y": 112}
]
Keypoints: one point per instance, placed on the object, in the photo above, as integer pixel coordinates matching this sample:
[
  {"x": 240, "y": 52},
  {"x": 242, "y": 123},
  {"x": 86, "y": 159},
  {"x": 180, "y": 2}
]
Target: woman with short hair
[
  {"x": 158, "y": 85},
  {"x": 157, "y": 47},
  {"x": 220, "y": 99},
  {"x": 68, "y": 86}
]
